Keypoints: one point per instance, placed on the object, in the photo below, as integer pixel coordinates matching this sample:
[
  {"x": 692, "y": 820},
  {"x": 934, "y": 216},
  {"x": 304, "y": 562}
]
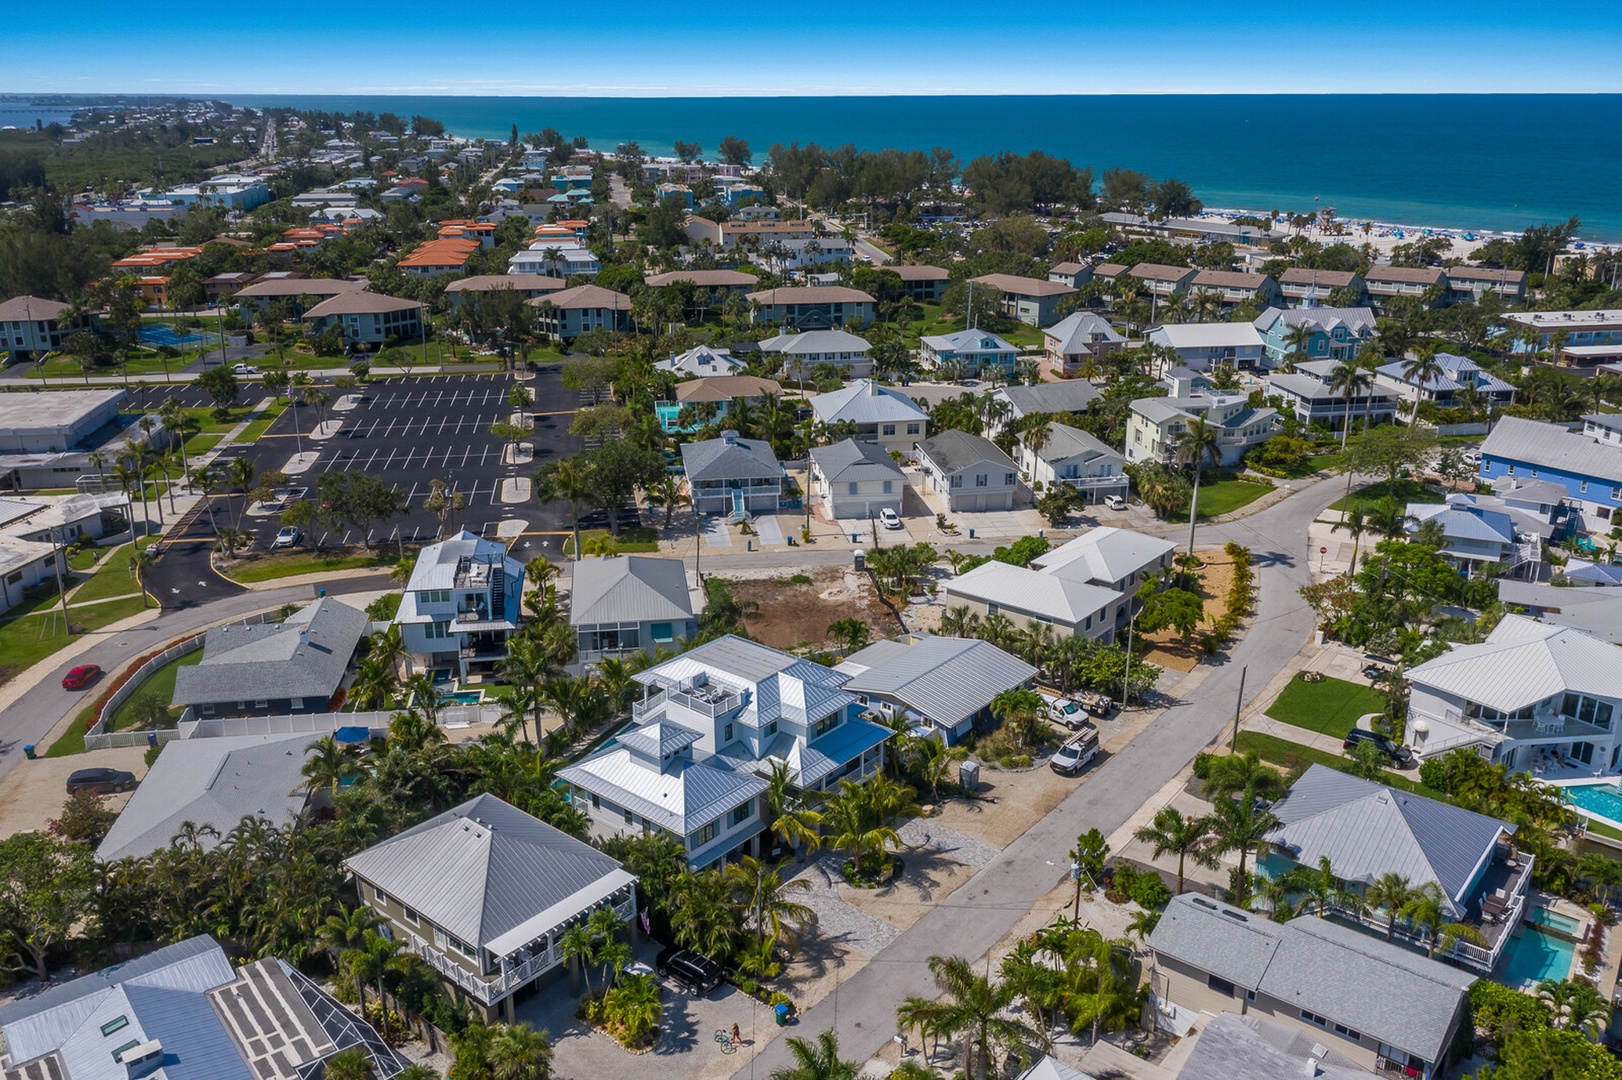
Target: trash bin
[
  {"x": 860, "y": 557},
  {"x": 782, "y": 1013},
  {"x": 749, "y": 545},
  {"x": 152, "y": 738},
  {"x": 28, "y": 752},
  {"x": 971, "y": 534},
  {"x": 968, "y": 774}
]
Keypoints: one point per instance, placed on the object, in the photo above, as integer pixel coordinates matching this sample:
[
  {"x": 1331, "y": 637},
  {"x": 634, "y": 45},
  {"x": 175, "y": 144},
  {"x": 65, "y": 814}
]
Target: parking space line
[
  {"x": 386, "y": 463},
  {"x": 413, "y": 495}
]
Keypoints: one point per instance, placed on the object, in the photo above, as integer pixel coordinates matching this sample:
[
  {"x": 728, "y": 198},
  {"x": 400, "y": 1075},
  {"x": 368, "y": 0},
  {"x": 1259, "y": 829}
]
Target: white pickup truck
[{"x": 1076, "y": 752}]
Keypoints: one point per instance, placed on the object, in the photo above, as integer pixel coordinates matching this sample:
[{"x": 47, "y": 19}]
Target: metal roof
[
  {"x": 864, "y": 401},
  {"x": 701, "y": 360},
  {"x": 437, "y": 564},
  {"x": 953, "y": 450},
  {"x": 1378, "y": 989},
  {"x": 628, "y": 589},
  {"x": 305, "y": 656},
  {"x": 658, "y": 739},
  {"x": 1366, "y": 829},
  {"x": 1049, "y": 1069},
  {"x": 1463, "y": 520},
  {"x": 482, "y": 868},
  {"x": 1077, "y": 332},
  {"x": 850, "y": 461},
  {"x": 1068, "y": 395},
  {"x": 679, "y": 797},
  {"x": 730, "y": 459},
  {"x": 1015, "y": 285},
  {"x": 943, "y": 678},
  {"x": 1104, "y": 555},
  {"x": 1456, "y": 371},
  {"x": 1594, "y": 611},
  {"x": 1359, "y": 320},
  {"x": 211, "y": 782},
  {"x": 977, "y": 341},
  {"x": 1521, "y": 663},
  {"x": 1032, "y": 592},
  {"x": 773, "y": 684},
  {"x": 1550, "y": 446},
  {"x": 1065, "y": 443},
  {"x": 1225, "y": 335},
  {"x": 815, "y": 341}
]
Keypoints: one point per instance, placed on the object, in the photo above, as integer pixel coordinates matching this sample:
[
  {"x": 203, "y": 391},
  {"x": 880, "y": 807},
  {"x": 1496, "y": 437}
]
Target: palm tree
[
  {"x": 129, "y": 479},
  {"x": 1172, "y": 832},
  {"x": 1234, "y": 773},
  {"x": 959, "y": 621},
  {"x": 1426, "y": 911},
  {"x": 974, "y": 1008},
  {"x": 1240, "y": 826},
  {"x": 239, "y": 472},
  {"x": 1200, "y": 442},
  {"x": 816, "y": 1060},
  {"x": 632, "y": 1007},
  {"x": 1108, "y": 990},
  {"x": 347, "y": 930},
  {"x": 851, "y": 633},
  {"x": 1575, "y": 1006},
  {"x": 141, "y": 561},
  {"x": 1022, "y": 710},
  {"x": 1322, "y": 887},
  {"x": 776, "y": 915},
  {"x": 351, "y": 1064},
  {"x": 787, "y": 815},
  {"x": 1274, "y": 896},
  {"x": 520, "y": 1052},
  {"x": 579, "y": 945},
  {"x": 1422, "y": 370},
  {"x": 327, "y": 765},
  {"x": 567, "y": 480},
  {"x": 1349, "y": 379},
  {"x": 180, "y": 424},
  {"x": 1390, "y": 891},
  {"x": 205, "y": 479},
  {"x": 1298, "y": 344},
  {"x": 1388, "y": 517},
  {"x": 855, "y": 823},
  {"x": 705, "y": 914},
  {"x": 667, "y": 492},
  {"x": 1356, "y": 522}
]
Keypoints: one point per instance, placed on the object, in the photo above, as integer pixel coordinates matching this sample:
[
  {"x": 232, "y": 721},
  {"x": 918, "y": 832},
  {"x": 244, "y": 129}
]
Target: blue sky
[{"x": 652, "y": 48}]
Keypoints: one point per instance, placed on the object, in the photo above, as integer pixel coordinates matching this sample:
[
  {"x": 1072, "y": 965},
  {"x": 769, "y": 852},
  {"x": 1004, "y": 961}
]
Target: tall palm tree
[
  {"x": 1104, "y": 983},
  {"x": 1422, "y": 369},
  {"x": 1298, "y": 344},
  {"x": 816, "y": 1060},
  {"x": 520, "y": 1052},
  {"x": 1426, "y": 911},
  {"x": 180, "y": 425},
  {"x": 566, "y": 480},
  {"x": 1199, "y": 443},
  {"x": 205, "y": 480},
  {"x": 1349, "y": 379},
  {"x": 772, "y": 909},
  {"x": 1356, "y": 522},
  {"x": 855, "y": 823},
  {"x": 1322, "y": 888},
  {"x": 1240, "y": 826},
  {"x": 1021, "y": 710},
  {"x": 347, "y": 929},
  {"x": 239, "y": 473},
  {"x": 1388, "y": 517},
  {"x": 787, "y": 814},
  {"x": 1171, "y": 832},
  {"x": 1390, "y": 892},
  {"x": 327, "y": 765},
  {"x": 667, "y": 492},
  {"x": 1575, "y": 1006},
  {"x": 975, "y": 1008},
  {"x": 141, "y": 562},
  {"x": 579, "y": 945},
  {"x": 1234, "y": 773}
]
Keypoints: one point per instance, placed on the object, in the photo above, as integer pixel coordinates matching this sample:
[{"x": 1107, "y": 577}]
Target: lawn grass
[
  {"x": 198, "y": 445},
  {"x": 1223, "y": 497},
  {"x": 141, "y": 362},
  {"x": 83, "y": 559},
  {"x": 161, "y": 682},
  {"x": 1406, "y": 491},
  {"x": 1601, "y": 829},
  {"x": 1290, "y": 755},
  {"x": 935, "y": 321},
  {"x": 256, "y": 429},
  {"x": 270, "y": 567},
  {"x": 26, "y": 640},
  {"x": 630, "y": 541},
  {"x": 1330, "y": 707},
  {"x": 1308, "y": 466},
  {"x": 112, "y": 577}
]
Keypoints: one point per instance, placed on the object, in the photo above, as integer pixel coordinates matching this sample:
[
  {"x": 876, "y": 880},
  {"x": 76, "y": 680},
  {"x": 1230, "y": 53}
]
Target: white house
[
  {"x": 881, "y": 414},
  {"x": 968, "y": 472},
  {"x": 1155, "y": 425},
  {"x": 1203, "y": 346},
  {"x": 631, "y": 603},
  {"x": 1080, "y": 339},
  {"x": 460, "y": 605},
  {"x": 856, "y": 479},
  {"x": 701, "y": 360},
  {"x": 1071, "y": 456},
  {"x": 711, "y": 724},
  {"x": 367, "y": 318},
  {"x": 1533, "y": 696}
]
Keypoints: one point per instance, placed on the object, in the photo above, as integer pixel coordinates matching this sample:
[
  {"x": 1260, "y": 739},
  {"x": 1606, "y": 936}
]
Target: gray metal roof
[
  {"x": 306, "y": 656},
  {"x": 1551, "y": 446},
  {"x": 1359, "y": 320},
  {"x": 954, "y": 450},
  {"x": 658, "y": 739},
  {"x": 1065, "y": 443},
  {"x": 1523, "y": 662},
  {"x": 482, "y": 868},
  {"x": 211, "y": 782},
  {"x": 678, "y": 797},
  {"x": 1366, "y": 829},
  {"x": 1225, "y": 335},
  {"x": 1051, "y": 596},
  {"x": 774, "y": 684},
  {"x": 1463, "y": 520},
  {"x": 864, "y": 401},
  {"x": 1068, "y": 395},
  {"x": 1378, "y": 989},
  {"x": 1105, "y": 555},
  {"x": 816, "y": 341},
  {"x": 850, "y": 461},
  {"x": 944, "y": 678},
  {"x": 975, "y": 341},
  {"x": 1078, "y": 332},
  {"x": 628, "y": 589},
  {"x": 1049, "y": 1069},
  {"x": 437, "y": 564},
  {"x": 737, "y": 459},
  {"x": 1594, "y": 611}
]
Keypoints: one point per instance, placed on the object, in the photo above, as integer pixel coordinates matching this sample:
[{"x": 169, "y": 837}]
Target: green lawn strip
[
  {"x": 1406, "y": 491},
  {"x": 161, "y": 682},
  {"x": 112, "y": 576},
  {"x": 1223, "y": 497},
  {"x": 1290, "y": 755},
  {"x": 83, "y": 559},
  {"x": 198, "y": 445},
  {"x": 271, "y": 567},
  {"x": 630, "y": 541},
  {"x": 1601, "y": 829},
  {"x": 254, "y": 430},
  {"x": 1330, "y": 707}
]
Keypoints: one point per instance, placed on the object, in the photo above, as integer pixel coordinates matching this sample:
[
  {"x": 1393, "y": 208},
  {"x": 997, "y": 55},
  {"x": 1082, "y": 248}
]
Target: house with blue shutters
[
  {"x": 967, "y": 352},
  {"x": 1588, "y": 468}
]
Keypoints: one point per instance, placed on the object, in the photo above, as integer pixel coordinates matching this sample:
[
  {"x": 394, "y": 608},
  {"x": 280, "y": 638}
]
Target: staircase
[
  {"x": 498, "y": 589},
  {"x": 738, "y": 512}
]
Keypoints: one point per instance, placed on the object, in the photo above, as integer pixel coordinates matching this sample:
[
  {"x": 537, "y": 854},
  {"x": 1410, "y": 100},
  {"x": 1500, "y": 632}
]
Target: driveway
[{"x": 977, "y": 915}]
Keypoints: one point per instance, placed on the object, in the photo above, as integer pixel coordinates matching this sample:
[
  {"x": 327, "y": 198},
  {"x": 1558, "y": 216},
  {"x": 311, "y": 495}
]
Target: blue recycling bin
[{"x": 28, "y": 752}]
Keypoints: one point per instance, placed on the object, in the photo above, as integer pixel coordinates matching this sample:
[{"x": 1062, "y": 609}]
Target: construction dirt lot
[
  {"x": 1216, "y": 575},
  {"x": 790, "y": 608}
]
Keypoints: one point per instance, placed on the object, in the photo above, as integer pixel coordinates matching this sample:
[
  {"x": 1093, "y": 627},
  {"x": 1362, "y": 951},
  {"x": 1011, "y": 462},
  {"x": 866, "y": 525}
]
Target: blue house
[
  {"x": 1589, "y": 469},
  {"x": 1337, "y": 333},
  {"x": 968, "y": 351}
]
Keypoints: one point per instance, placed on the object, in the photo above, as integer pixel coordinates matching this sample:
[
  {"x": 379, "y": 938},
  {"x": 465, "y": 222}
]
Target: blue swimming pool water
[
  {"x": 463, "y": 697},
  {"x": 1553, "y": 920},
  {"x": 1536, "y": 955},
  {"x": 163, "y": 335},
  {"x": 1601, "y": 800}
]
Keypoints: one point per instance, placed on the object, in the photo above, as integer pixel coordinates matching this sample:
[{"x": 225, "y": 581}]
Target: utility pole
[
  {"x": 61, "y": 586},
  {"x": 1126, "y": 678},
  {"x": 1238, "y": 704}
]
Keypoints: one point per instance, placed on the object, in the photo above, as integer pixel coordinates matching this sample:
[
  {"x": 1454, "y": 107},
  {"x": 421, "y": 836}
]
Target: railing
[
  {"x": 298, "y": 723},
  {"x": 1092, "y": 481}
]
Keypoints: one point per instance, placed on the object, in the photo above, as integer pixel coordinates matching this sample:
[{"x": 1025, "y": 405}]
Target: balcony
[{"x": 711, "y": 701}]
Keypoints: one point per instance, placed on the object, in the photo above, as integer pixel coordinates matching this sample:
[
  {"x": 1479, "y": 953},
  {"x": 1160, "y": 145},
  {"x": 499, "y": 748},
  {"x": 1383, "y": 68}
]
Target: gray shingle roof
[
  {"x": 1230, "y": 1046},
  {"x": 306, "y": 656},
  {"x": 1329, "y": 279},
  {"x": 1015, "y": 285},
  {"x": 1366, "y": 829},
  {"x": 809, "y": 294},
  {"x": 740, "y": 459},
  {"x": 1067, "y": 395},
  {"x": 944, "y": 678},
  {"x": 31, "y": 309},
  {"x": 1105, "y": 555},
  {"x": 483, "y": 868},
  {"x": 864, "y": 401},
  {"x": 849, "y": 461},
  {"x": 628, "y": 589},
  {"x": 1550, "y": 446},
  {"x": 1378, "y": 989},
  {"x": 953, "y": 450}
]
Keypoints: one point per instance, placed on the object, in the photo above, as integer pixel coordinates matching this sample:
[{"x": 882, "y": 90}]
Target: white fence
[
  {"x": 97, "y": 737},
  {"x": 323, "y": 723}
]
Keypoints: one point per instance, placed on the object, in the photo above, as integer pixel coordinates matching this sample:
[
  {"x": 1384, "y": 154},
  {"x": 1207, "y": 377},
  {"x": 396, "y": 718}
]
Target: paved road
[
  {"x": 980, "y": 912},
  {"x": 871, "y": 252}
]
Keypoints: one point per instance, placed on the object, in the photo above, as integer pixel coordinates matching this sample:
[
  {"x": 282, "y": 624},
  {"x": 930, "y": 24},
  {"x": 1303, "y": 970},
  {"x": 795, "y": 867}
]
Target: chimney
[
  {"x": 872, "y": 388},
  {"x": 304, "y": 637},
  {"x": 730, "y": 438}
]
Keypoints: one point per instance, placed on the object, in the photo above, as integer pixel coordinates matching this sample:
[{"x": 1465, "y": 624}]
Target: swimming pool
[
  {"x": 462, "y": 697},
  {"x": 1534, "y": 956},
  {"x": 1600, "y": 801},
  {"x": 1554, "y": 920}
]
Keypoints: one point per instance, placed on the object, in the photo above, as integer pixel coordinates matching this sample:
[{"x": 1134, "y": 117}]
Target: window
[
  {"x": 979, "y": 479},
  {"x": 991, "y": 609},
  {"x": 825, "y": 725},
  {"x": 412, "y": 917},
  {"x": 1582, "y": 488},
  {"x": 887, "y": 486},
  {"x": 434, "y": 596},
  {"x": 629, "y": 818},
  {"x": 380, "y": 896},
  {"x": 704, "y": 835},
  {"x": 957, "y": 481},
  {"x": 596, "y": 802},
  {"x": 913, "y": 429},
  {"x": 1342, "y": 1029},
  {"x": 436, "y": 631},
  {"x": 116, "y": 1024},
  {"x": 887, "y": 429},
  {"x": 771, "y": 728},
  {"x": 295, "y": 703},
  {"x": 726, "y": 733},
  {"x": 118, "y": 1055},
  {"x": 1220, "y": 985},
  {"x": 741, "y": 814},
  {"x": 1616, "y": 494},
  {"x": 1314, "y": 1018},
  {"x": 662, "y": 632},
  {"x": 1008, "y": 479},
  {"x": 853, "y": 489},
  {"x": 261, "y": 703},
  {"x": 1510, "y": 471}
]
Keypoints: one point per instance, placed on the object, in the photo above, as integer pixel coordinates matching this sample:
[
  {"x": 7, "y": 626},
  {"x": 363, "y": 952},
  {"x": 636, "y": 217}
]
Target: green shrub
[
  {"x": 1202, "y": 764},
  {"x": 1149, "y": 892}
]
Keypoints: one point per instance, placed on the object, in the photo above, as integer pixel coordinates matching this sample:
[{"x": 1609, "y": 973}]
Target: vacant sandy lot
[
  {"x": 34, "y": 792},
  {"x": 1216, "y": 576},
  {"x": 794, "y": 614}
]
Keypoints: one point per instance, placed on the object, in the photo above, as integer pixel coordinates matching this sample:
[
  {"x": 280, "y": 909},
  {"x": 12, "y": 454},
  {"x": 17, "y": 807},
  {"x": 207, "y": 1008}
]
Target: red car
[{"x": 80, "y": 677}]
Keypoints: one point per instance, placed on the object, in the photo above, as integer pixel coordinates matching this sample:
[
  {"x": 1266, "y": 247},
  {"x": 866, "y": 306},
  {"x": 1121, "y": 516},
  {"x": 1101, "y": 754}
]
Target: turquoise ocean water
[{"x": 1466, "y": 161}]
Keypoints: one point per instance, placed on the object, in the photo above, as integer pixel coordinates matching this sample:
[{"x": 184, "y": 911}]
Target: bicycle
[{"x": 727, "y": 1045}]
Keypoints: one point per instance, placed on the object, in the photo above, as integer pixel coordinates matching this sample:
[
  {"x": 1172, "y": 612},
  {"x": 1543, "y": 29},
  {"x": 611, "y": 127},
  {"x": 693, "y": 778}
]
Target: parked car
[
  {"x": 889, "y": 518},
  {"x": 80, "y": 677},
  {"x": 1067, "y": 712},
  {"x": 288, "y": 537},
  {"x": 1076, "y": 752},
  {"x": 1395, "y": 753},
  {"x": 100, "y": 781},
  {"x": 244, "y": 369},
  {"x": 1115, "y": 502},
  {"x": 696, "y": 974}
]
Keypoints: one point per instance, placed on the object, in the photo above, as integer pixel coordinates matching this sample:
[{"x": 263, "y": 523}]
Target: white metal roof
[
  {"x": 1523, "y": 662},
  {"x": 1033, "y": 592},
  {"x": 1105, "y": 555},
  {"x": 864, "y": 401}
]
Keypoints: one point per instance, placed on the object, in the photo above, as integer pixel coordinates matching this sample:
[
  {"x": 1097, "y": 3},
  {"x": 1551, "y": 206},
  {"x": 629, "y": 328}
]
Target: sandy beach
[{"x": 1384, "y": 237}]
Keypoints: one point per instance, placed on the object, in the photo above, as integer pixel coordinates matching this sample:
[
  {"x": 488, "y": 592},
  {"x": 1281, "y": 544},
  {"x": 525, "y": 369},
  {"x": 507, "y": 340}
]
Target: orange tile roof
[
  {"x": 153, "y": 258},
  {"x": 449, "y": 252}
]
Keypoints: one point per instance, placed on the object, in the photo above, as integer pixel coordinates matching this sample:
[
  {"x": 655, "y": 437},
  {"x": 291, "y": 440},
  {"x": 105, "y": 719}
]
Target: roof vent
[{"x": 729, "y": 437}]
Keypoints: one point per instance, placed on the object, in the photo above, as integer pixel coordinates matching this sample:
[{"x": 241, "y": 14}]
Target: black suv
[
  {"x": 698, "y": 975},
  {"x": 100, "y": 781},
  {"x": 1398, "y": 755}
]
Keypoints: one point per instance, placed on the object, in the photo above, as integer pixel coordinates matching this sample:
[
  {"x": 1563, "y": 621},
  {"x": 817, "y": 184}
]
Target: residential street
[{"x": 978, "y": 914}]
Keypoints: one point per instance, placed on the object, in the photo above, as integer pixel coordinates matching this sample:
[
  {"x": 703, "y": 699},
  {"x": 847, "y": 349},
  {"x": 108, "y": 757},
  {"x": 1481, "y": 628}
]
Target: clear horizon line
[{"x": 621, "y": 92}]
